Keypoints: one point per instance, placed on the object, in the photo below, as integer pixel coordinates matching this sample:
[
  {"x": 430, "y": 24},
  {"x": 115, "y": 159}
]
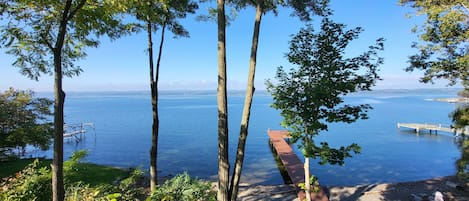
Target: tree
[
  {"x": 460, "y": 117},
  {"x": 444, "y": 41},
  {"x": 24, "y": 121},
  {"x": 223, "y": 163},
  {"x": 303, "y": 9},
  {"x": 47, "y": 37},
  {"x": 444, "y": 47},
  {"x": 310, "y": 95},
  {"x": 161, "y": 14}
]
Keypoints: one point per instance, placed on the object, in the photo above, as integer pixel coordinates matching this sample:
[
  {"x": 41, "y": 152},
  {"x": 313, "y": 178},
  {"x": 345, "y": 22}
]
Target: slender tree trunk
[
  {"x": 154, "y": 107},
  {"x": 307, "y": 183},
  {"x": 243, "y": 134},
  {"x": 156, "y": 120},
  {"x": 58, "y": 191},
  {"x": 223, "y": 163}
]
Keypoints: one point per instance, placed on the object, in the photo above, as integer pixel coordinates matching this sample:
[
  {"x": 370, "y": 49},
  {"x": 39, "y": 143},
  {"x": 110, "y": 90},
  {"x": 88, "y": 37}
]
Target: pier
[
  {"x": 432, "y": 128},
  {"x": 293, "y": 165},
  {"x": 77, "y": 131}
]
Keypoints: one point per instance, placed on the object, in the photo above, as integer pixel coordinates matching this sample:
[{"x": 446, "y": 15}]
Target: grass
[
  {"x": 95, "y": 175},
  {"x": 88, "y": 173},
  {"x": 9, "y": 168}
]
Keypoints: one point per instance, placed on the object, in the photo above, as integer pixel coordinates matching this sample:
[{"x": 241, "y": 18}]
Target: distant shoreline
[{"x": 452, "y": 100}]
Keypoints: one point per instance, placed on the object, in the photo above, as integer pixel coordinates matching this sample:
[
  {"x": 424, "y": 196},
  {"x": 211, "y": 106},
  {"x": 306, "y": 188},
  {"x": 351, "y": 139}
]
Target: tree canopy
[
  {"x": 48, "y": 37},
  {"x": 24, "y": 120},
  {"x": 311, "y": 94},
  {"x": 444, "y": 40},
  {"x": 30, "y": 32}
]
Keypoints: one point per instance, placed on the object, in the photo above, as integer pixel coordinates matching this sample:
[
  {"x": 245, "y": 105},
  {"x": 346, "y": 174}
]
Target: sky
[{"x": 191, "y": 63}]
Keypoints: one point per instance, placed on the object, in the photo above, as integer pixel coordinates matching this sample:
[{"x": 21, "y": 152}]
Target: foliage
[
  {"x": 9, "y": 168},
  {"x": 30, "y": 28},
  {"x": 444, "y": 40},
  {"x": 163, "y": 12},
  {"x": 32, "y": 183},
  {"x": 460, "y": 117},
  {"x": 50, "y": 36},
  {"x": 314, "y": 182},
  {"x": 184, "y": 188},
  {"x": 81, "y": 192},
  {"x": 24, "y": 120},
  {"x": 152, "y": 15},
  {"x": 83, "y": 182},
  {"x": 464, "y": 93},
  {"x": 462, "y": 164},
  {"x": 311, "y": 96},
  {"x": 303, "y": 9}
]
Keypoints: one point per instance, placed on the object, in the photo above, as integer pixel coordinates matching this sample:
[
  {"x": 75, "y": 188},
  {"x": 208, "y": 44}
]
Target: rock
[
  {"x": 416, "y": 197},
  {"x": 451, "y": 184},
  {"x": 438, "y": 196}
]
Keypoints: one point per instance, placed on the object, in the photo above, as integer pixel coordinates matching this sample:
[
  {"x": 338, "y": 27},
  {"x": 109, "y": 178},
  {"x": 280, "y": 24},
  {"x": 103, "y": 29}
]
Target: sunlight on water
[{"x": 188, "y": 135}]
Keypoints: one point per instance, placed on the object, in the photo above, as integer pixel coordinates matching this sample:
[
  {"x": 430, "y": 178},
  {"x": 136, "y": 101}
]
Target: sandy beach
[{"x": 423, "y": 190}]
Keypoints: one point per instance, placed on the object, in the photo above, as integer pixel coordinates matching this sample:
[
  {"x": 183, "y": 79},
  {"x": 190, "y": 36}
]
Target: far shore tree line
[{"x": 48, "y": 37}]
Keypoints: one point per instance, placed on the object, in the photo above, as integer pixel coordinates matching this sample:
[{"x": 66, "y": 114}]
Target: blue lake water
[{"x": 188, "y": 135}]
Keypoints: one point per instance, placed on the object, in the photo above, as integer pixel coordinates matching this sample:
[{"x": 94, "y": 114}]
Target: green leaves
[
  {"x": 443, "y": 47},
  {"x": 31, "y": 32},
  {"x": 24, "y": 120},
  {"x": 183, "y": 187},
  {"x": 163, "y": 12},
  {"x": 310, "y": 95}
]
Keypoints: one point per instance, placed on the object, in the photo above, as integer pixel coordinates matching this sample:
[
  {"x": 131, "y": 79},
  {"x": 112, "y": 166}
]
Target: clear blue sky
[{"x": 191, "y": 63}]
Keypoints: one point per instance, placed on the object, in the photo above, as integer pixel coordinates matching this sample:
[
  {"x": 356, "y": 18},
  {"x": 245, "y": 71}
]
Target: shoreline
[
  {"x": 451, "y": 100},
  {"x": 449, "y": 186}
]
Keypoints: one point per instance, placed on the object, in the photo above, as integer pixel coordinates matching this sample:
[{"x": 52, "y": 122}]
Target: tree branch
[
  {"x": 74, "y": 11},
  {"x": 464, "y": 6},
  {"x": 49, "y": 45},
  {"x": 47, "y": 42}
]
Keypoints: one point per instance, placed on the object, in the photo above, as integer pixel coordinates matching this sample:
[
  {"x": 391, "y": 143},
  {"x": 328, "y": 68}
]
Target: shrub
[
  {"x": 184, "y": 188},
  {"x": 31, "y": 183}
]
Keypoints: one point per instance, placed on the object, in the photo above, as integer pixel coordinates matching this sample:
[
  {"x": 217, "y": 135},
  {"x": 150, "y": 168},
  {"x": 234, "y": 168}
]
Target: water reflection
[{"x": 280, "y": 166}]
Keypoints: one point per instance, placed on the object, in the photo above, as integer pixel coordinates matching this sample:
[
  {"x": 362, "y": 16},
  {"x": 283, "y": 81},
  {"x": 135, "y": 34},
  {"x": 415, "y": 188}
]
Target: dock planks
[
  {"x": 430, "y": 127},
  {"x": 293, "y": 165}
]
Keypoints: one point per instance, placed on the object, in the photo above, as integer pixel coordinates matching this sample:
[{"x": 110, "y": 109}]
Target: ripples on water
[{"x": 188, "y": 135}]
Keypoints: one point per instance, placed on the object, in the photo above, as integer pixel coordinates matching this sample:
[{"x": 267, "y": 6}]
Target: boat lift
[{"x": 77, "y": 131}]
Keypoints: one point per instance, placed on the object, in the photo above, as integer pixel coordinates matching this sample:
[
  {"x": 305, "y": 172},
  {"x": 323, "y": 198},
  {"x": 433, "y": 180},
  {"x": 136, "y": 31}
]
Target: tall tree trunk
[
  {"x": 223, "y": 163},
  {"x": 307, "y": 183},
  {"x": 243, "y": 133},
  {"x": 154, "y": 107},
  {"x": 58, "y": 191},
  {"x": 154, "y": 101}
]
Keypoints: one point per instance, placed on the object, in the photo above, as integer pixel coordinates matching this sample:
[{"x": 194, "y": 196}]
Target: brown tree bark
[
  {"x": 154, "y": 102},
  {"x": 223, "y": 163},
  {"x": 153, "y": 149},
  {"x": 58, "y": 191},
  {"x": 247, "y": 104}
]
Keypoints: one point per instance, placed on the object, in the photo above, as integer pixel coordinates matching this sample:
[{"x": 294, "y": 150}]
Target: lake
[{"x": 188, "y": 135}]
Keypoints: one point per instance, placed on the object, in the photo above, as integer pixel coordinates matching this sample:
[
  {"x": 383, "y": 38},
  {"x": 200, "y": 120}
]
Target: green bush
[
  {"x": 81, "y": 192},
  {"x": 183, "y": 188},
  {"x": 31, "y": 183}
]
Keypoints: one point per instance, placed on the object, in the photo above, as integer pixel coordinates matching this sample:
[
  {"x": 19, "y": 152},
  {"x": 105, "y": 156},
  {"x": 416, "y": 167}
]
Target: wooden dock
[
  {"x": 293, "y": 165},
  {"x": 77, "y": 131},
  {"x": 432, "y": 128}
]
